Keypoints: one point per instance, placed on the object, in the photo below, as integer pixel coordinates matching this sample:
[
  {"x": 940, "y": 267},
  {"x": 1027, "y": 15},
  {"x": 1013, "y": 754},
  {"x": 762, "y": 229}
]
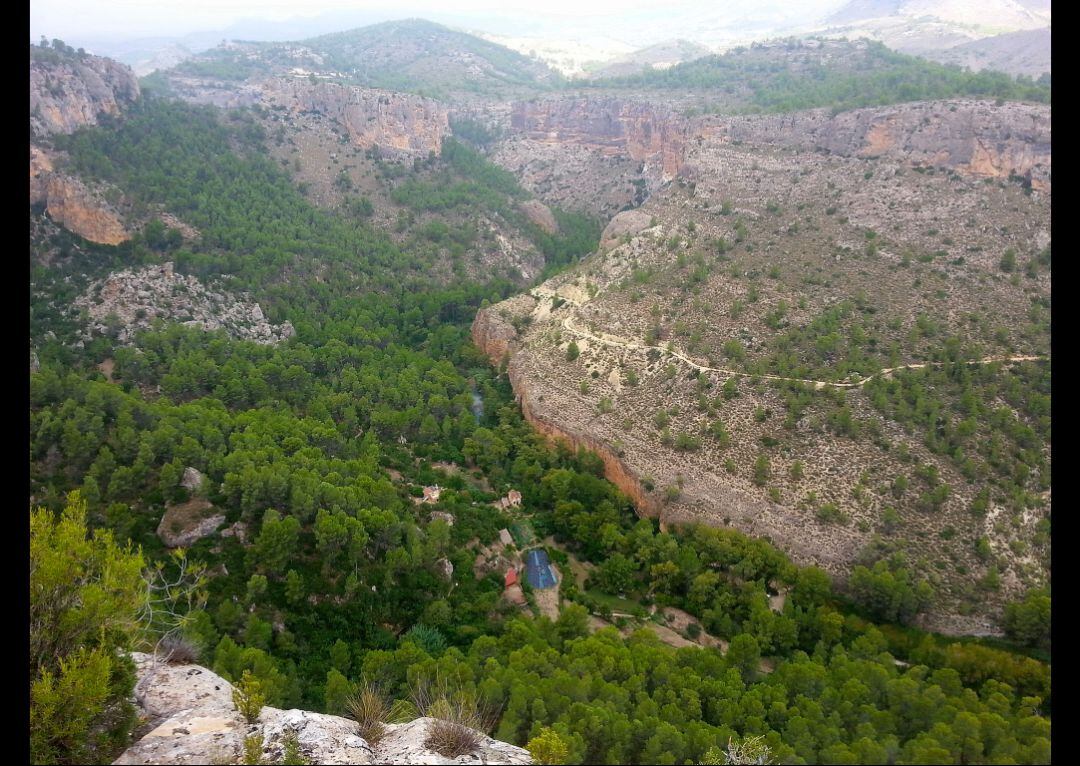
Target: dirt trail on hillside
[{"x": 612, "y": 340}]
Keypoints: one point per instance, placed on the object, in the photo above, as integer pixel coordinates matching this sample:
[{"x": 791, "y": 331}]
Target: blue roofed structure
[{"x": 538, "y": 569}]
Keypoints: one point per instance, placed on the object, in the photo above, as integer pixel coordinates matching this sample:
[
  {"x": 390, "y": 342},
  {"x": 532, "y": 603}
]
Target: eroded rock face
[
  {"x": 193, "y": 720},
  {"x": 396, "y": 122},
  {"x": 75, "y": 91},
  {"x": 72, "y": 203},
  {"x": 608, "y": 154},
  {"x": 497, "y": 338},
  {"x": 645, "y": 133},
  {"x": 976, "y": 138}
]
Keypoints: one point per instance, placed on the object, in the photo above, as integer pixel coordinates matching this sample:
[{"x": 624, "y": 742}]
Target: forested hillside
[{"x": 781, "y": 77}]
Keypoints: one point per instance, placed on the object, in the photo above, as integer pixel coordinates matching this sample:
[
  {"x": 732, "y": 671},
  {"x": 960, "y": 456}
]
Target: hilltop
[{"x": 413, "y": 55}]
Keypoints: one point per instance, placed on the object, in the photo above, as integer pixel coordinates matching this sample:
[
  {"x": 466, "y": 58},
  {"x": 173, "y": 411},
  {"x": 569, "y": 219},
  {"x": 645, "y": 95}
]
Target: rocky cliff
[
  {"x": 73, "y": 204},
  {"x": 606, "y": 154},
  {"x": 68, "y": 92},
  {"x": 496, "y": 337},
  {"x": 977, "y": 138},
  {"x": 189, "y": 717},
  {"x": 397, "y": 122},
  {"x": 678, "y": 293},
  {"x": 648, "y": 134}
]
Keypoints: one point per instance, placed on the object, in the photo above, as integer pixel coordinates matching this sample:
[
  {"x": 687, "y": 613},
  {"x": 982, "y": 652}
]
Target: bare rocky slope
[
  {"x": 134, "y": 299},
  {"x": 188, "y": 716},
  {"x": 1026, "y": 52},
  {"x": 770, "y": 224}
]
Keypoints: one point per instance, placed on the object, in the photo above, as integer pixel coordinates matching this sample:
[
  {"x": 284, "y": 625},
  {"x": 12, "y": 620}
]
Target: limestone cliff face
[
  {"x": 71, "y": 92},
  {"x": 191, "y": 719},
  {"x": 646, "y": 133},
  {"x": 975, "y": 138},
  {"x": 606, "y": 154},
  {"x": 373, "y": 118},
  {"x": 496, "y": 338},
  {"x": 68, "y": 92},
  {"x": 72, "y": 203}
]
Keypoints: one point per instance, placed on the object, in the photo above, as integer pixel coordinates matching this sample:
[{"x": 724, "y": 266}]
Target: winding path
[{"x": 612, "y": 340}]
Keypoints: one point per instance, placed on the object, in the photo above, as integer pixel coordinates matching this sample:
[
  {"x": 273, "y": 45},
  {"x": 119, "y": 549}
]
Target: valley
[{"x": 756, "y": 348}]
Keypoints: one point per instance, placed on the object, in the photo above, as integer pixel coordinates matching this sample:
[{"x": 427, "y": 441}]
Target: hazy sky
[{"x": 135, "y": 18}]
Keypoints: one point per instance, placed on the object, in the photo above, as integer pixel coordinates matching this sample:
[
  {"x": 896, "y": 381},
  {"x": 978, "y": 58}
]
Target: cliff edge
[{"x": 190, "y": 718}]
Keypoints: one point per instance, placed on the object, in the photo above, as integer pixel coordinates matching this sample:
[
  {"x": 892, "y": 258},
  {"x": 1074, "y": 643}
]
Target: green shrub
[
  {"x": 548, "y": 747},
  {"x": 248, "y": 697},
  {"x": 85, "y": 597}
]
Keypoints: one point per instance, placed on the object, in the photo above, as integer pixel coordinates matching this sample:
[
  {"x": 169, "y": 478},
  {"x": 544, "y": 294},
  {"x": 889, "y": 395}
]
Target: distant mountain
[
  {"x": 411, "y": 56},
  {"x": 659, "y": 56},
  {"x": 416, "y": 53},
  {"x": 1012, "y": 36},
  {"x": 985, "y": 16},
  {"x": 861, "y": 10},
  {"x": 793, "y": 74},
  {"x": 1026, "y": 52}
]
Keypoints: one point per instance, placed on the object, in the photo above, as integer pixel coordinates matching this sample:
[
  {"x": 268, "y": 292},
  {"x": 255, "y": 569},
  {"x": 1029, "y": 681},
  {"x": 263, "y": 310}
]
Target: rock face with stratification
[
  {"x": 68, "y": 92},
  {"x": 192, "y": 719},
  {"x": 976, "y": 138},
  {"x": 645, "y": 133},
  {"x": 606, "y": 154}
]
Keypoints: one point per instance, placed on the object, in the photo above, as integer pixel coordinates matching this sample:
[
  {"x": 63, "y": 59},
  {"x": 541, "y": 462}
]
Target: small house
[
  {"x": 511, "y": 577},
  {"x": 431, "y": 494},
  {"x": 539, "y": 571}
]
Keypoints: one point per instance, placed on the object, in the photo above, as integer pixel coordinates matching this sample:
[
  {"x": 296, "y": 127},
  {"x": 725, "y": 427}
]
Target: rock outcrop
[
  {"x": 135, "y": 297},
  {"x": 649, "y": 134},
  {"x": 628, "y": 222},
  {"x": 608, "y": 154},
  {"x": 192, "y": 479},
  {"x": 186, "y": 523},
  {"x": 541, "y": 215},
  {"x": 68, "y": 91},
  {"x": 396, "y": 122},
  {"x": 977, "y": 138},
  {"x": 72, "y": 203},
  {"x": 191, "y": 719}
]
